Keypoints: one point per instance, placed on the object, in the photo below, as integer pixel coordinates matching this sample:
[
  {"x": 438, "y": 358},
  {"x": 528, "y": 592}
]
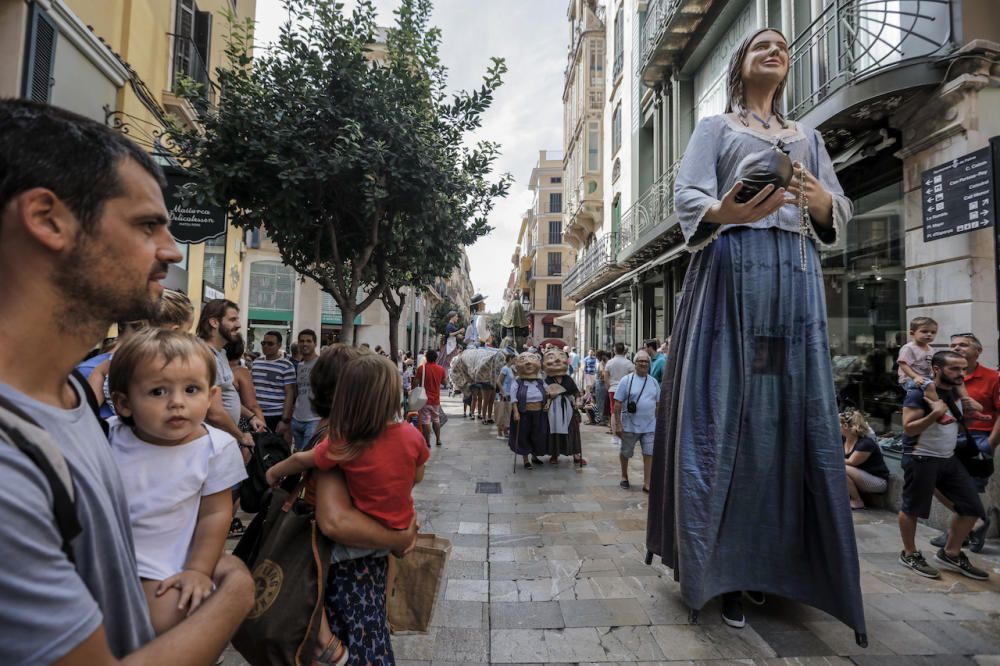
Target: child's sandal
[{"x": 329, "y": 656}]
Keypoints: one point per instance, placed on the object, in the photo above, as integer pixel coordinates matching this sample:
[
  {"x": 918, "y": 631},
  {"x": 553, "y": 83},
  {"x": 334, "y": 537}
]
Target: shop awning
[
  {"x": 566, "y": 320},
  {"x": 549, "y": 319},
  {"x": 662, "y": 259}
]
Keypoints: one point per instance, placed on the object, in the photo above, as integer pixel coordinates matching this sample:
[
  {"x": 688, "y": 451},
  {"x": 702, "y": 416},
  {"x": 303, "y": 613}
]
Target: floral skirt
[{"x": 356, "y": 610}]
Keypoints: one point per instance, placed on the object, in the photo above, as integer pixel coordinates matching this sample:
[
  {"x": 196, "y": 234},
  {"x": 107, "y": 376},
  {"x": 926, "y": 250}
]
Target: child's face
[
  {"x": 925, "y": 334},
  {"x": 168, "y": 402}
]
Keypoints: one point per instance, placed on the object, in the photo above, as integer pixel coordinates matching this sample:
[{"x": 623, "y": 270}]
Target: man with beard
[
  {"x": 83, "y": 242},
  {"x": 218, "y": 326},
  {"x": 930, "y": 433}
]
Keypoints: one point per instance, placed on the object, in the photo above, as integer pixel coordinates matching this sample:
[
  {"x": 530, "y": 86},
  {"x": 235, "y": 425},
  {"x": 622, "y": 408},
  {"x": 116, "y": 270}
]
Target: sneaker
[
  {"x": 732, "y": 610},
  {"x": 755, "y": 597},
  {"x": 624, "y": 485},
  {"x": 941, "y": 540},
  {"x": 977, "y": 537},
  {"x": 961, "y": 564},
  {"x": 917, "y": 562}
]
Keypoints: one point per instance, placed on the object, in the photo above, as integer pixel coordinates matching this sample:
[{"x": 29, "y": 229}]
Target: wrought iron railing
[
  {"x": 853, "y": 39},
  {"x": 598, "y": 257},
  {"x": 658, "y": 15},
  {"x": 652, "y": 208}
]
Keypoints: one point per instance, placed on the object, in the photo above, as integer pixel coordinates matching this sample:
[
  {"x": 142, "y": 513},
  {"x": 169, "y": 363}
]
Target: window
[
  {"x": 555, "y": 179},
  {"x": 596, "y": 63},
  {"x": 555, "y": 263},
  {"x": 214, "y": 264},
  {"x": 616, "y": 129},
  {"x": 272, "y": 286},
  {"x": 555, "y": 232},
  {"x": 41, "y": 56},
  {"x": 553, "y": 297},
  {"x": 555, "y": 202},
  {"x": 619, "y": 41},
  {"x": 192, "y": 42},
  {"x": 553, "y": 331},
  {"x": 593, "y": 147}
]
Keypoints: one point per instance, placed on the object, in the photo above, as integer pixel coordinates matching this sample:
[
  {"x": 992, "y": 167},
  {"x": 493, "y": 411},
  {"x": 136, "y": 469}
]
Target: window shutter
[
  {"x": 203, "y": 42},
  {"x": 41, "y": 60}
]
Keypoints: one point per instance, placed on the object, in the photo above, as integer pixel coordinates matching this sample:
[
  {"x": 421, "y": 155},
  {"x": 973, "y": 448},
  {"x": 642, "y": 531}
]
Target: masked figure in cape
[
  {"x": 529, "y": 426},
  {"x": 564, "y": 419},
  {"x": 748, "y": 484}
]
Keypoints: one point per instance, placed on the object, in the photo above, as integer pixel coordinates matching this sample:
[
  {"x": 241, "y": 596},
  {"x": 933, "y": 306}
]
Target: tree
[{"x": 342, "y": 159}]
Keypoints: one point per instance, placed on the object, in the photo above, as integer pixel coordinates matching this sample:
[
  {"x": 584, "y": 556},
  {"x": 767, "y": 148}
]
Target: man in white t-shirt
[{"x": 616, "y": 368}]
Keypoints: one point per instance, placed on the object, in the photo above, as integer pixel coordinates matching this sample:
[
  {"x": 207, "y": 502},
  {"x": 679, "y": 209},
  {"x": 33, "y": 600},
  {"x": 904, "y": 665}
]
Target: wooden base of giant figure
[{"x": 529, "y": 426}]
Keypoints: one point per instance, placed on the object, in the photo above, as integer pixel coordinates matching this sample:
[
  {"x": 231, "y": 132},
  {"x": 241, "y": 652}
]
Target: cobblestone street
[{"x": 550, "y": 570}]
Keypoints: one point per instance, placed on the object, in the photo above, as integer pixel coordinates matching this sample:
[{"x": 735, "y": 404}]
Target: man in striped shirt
[{"x": 274, "y": 383}]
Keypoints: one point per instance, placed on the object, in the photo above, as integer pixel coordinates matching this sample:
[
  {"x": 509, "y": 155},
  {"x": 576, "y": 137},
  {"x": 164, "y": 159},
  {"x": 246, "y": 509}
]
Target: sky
[{"x": 526, "y": 116}]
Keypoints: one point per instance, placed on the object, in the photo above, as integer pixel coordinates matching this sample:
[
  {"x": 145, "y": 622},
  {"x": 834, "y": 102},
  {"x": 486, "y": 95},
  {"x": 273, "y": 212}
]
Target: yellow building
[{"x": 119, "y": 62}]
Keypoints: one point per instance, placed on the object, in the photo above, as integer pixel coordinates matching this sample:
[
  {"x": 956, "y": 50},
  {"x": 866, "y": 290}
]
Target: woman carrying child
[
  {"x": 177, "y": 470},
  {"x": 381, "y": 459}
]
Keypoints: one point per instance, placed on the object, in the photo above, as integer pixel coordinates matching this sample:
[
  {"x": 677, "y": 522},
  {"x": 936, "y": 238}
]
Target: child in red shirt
[{"x": 382, "y": 459}]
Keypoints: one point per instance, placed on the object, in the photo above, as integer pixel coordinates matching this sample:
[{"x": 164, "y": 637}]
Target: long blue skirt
[{"x": 749, "y": 489}]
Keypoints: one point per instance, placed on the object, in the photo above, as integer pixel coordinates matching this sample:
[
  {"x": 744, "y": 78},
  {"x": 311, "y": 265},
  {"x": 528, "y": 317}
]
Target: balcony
[
  {"x": 644, "y": 225},
  {"x": 664, "y": 36},
  {"x": 857, "y": 51},
  {"x": 594, "y": 268}
]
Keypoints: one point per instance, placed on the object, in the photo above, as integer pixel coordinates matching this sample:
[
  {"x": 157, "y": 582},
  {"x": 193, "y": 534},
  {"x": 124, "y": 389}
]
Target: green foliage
[{"x": 357, "y": 170}]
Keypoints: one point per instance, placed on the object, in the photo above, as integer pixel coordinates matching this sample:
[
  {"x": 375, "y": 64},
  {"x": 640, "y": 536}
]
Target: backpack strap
[
  {"x": 48, "y": 460},
  {"x": 953, "y": 408},
  {"x": 88, "y": 391}
]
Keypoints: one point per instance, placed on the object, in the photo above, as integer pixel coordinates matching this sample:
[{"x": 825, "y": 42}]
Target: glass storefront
[
  {"x": 865, "y": 279},
  {"x": 617, "y": 319}
]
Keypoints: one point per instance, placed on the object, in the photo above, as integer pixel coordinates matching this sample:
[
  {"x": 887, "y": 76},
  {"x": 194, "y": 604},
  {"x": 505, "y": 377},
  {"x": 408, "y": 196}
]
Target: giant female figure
[{"x": 748, "y": 475}]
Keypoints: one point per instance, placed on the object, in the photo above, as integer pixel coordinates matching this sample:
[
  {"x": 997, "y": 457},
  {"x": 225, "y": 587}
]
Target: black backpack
[{"x": 269, "y": 449}]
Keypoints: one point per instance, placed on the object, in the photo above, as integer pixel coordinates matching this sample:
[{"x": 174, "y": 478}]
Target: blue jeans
[
  {"x": 302, "y": 432},
  {"x": 600, "y": 397}
]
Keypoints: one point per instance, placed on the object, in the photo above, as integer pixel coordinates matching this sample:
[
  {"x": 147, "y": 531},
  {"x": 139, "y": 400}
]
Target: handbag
[
  {"x": 289, "y": 558},
  {"x": 418, "y": 394},
  {"x": 418, "y": 579},
  {"x": 979, "y": 465},
  {"x": 269, "y": 449}
]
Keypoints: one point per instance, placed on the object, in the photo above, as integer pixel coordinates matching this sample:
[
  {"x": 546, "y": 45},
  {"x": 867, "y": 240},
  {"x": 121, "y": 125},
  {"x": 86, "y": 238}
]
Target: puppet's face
[
  {"x": 527, "y": 365},
  {"x": 556, "y": 363}
]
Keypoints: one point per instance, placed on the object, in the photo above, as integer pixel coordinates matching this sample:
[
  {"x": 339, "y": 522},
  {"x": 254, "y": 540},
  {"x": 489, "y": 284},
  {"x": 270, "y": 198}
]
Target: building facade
[
  {"x": 543, "y": 256},
  {"x": 120, "y": 63},
  {"x": 895, "y": 88}
]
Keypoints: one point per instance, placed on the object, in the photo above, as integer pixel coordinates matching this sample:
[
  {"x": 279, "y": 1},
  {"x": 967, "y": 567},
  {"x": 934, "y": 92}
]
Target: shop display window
[{"x": 865, "y": 279}]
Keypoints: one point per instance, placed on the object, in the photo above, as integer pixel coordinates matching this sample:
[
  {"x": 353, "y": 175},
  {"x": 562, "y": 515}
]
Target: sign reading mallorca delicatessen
[
  {"x": 190, "y": 222},
  {"x": 957, "y": 196}
]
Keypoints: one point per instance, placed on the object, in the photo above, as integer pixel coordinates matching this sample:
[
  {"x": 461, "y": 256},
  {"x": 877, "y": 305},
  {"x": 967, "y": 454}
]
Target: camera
[{"x": 630, "y": 407}]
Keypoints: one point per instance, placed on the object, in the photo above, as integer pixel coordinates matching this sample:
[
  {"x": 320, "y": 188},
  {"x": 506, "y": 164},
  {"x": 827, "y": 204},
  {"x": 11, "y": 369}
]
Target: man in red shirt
[
  {"x": 430, "y": 375},
  {"x": 983, "y": 386}
]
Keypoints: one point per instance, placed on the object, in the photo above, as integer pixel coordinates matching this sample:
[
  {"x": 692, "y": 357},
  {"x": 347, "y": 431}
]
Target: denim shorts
[{"x": 630, "y": 439}]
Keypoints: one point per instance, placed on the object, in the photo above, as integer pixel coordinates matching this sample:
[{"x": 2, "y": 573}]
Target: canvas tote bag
[
  {"x": 289, "y": 559},
  {"x": 418, "y": 579}
]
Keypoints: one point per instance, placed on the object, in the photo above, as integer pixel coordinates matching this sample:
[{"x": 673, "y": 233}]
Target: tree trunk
[
  {"x": 348, "y": 332},
  {"x": 395, "y": 310}
]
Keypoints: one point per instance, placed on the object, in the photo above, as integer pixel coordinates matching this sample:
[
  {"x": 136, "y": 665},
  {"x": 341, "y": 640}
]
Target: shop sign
[
  {"x": 190, "y": 222},
  {"x": 957, "y": 197}
]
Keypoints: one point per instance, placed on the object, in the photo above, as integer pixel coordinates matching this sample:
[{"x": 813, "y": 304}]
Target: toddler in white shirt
[{"x": 177, "y": 470}]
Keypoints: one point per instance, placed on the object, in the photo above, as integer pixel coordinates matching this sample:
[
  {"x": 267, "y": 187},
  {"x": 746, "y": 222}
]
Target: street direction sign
[{"x": 957, "y": 196}]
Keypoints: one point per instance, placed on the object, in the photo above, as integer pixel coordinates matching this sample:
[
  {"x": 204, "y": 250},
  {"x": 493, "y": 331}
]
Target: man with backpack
[
  {"x": 83, "y": 242},
  {"x": 930, "y": 433}
]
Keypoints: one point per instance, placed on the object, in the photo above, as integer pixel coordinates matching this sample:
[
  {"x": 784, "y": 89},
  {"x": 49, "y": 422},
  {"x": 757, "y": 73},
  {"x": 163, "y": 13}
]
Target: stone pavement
[{"x": 550, "y": 570}]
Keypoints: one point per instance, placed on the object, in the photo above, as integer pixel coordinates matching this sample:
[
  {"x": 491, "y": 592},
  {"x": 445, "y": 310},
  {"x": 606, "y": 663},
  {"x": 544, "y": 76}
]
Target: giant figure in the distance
[{"x": 748, "y": 489}]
